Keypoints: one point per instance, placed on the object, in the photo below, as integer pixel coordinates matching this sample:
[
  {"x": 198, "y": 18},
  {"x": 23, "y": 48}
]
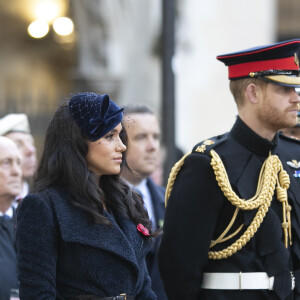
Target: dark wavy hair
[{"x": 63, "y": 165}]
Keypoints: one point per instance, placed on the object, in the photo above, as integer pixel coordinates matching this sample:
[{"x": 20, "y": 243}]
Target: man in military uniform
[{"x": 232, "y": 223}]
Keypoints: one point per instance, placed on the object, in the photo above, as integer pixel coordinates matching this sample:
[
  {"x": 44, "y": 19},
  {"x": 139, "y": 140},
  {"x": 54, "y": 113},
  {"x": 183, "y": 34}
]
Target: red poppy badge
[{"x": 142, "y": 229}]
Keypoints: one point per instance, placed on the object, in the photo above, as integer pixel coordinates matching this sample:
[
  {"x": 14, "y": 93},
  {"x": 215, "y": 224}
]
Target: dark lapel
[
  {"x": 158, "y": 200},
  {"x": 140, "y": 244},
  {"x": 76, "y": 227}
]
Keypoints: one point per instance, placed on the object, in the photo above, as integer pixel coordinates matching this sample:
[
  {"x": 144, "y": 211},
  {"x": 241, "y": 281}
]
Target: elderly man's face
[
  {"x": 25, "y": 143},
  {"x": 10, "y": 169}
]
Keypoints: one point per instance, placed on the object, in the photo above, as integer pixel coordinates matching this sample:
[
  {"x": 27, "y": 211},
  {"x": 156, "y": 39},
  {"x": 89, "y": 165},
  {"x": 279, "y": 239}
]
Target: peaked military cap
[{"x": 277, "y": 63}]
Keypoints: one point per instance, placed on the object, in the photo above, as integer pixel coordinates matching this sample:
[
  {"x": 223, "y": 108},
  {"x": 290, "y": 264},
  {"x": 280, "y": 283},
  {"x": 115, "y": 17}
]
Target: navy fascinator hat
[{"x": 95, "y": 114}]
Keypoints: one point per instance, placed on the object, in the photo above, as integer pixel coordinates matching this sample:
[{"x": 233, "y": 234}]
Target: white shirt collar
[
  {"x": 142, "y": 187},
  {"x": 9, "y": 212},
  {"x": 145, "y": 193}
]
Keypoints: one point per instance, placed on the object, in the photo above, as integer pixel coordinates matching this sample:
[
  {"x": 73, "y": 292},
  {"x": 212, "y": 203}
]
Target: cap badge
[
  {"x": 296, "y": 59},
  {"x": 294, "y": 164}
]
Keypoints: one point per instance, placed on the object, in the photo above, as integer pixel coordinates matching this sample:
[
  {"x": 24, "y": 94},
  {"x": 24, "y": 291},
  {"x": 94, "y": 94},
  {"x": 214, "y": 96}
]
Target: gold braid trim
[
  {"x": 221, "y": 238},
  {"x": 268, "y": 178},
  {"x": 271, "y": 173},
  {"x": 172, "y": 177}
]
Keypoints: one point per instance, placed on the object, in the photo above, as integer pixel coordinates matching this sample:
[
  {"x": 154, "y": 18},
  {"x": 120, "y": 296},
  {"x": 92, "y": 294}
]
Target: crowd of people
[{"x": 89, "y": 222}]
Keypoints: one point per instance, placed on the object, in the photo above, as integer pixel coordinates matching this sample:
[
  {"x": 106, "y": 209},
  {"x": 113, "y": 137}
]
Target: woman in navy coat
[{"x": 81, "y": 232}]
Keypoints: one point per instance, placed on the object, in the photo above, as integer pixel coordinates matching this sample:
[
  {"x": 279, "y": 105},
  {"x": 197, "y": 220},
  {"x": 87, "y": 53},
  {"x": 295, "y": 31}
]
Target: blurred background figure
[
  {"x": 16, "y": 127},
  {"x": 10, "y": 187},
  {"x": 143, "y": 158},
  {"x": 293, "y": 132}
]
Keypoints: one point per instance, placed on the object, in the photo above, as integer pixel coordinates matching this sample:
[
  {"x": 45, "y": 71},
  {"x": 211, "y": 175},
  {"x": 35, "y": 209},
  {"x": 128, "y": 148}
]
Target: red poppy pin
[{"x": 141, "y": 228}]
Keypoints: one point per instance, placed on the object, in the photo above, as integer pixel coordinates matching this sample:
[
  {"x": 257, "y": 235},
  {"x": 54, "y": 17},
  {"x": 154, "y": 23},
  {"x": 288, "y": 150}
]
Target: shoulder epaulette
[
  {"x": 202, "y": 147},
  {"x": 206, "y": 145}
]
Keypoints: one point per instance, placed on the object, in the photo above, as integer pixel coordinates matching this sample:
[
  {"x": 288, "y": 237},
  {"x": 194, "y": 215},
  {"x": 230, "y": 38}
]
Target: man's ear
[{"x": 252, "y": 93}]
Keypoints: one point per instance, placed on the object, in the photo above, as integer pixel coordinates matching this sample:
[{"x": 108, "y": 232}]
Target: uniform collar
[{"x": 251, "y": 140}]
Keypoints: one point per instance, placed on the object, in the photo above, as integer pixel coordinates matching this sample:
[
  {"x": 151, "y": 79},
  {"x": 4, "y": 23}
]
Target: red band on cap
[{"x": 243, "y": 70}]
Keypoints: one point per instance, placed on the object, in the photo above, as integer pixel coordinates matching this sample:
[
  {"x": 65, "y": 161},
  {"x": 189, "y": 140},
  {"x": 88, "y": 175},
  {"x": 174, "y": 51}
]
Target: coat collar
[{"x": 121, "y": 239}]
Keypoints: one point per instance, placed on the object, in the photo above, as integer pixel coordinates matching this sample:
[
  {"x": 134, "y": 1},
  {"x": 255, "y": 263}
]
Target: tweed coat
[
  {"x": 158, "y": 200},
  {"x": 197, "y": 213},
  {"x": 61, "y": 253}
]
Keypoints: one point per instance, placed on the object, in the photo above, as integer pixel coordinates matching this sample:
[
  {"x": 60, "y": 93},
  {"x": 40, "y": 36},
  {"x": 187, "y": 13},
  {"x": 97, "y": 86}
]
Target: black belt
[{"x": 93, "y": 297}]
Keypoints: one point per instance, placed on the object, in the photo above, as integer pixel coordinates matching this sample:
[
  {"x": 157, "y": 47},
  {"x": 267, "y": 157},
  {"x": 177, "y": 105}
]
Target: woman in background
[{"x": 81, "y": 232}]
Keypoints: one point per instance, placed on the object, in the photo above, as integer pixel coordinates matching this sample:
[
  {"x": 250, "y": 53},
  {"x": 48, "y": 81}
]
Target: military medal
[{"x": 296, "y": 174}]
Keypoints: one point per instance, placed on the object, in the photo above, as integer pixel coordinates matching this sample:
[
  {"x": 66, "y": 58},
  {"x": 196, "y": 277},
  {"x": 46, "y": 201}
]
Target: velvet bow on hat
[{"x": 95, "y": 114}]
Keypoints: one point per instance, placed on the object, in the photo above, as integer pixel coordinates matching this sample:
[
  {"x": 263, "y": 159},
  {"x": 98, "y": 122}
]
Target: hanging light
[
  {"x": 63, "y": 26},
  {"x": 38, "y": 29},
  {"x": 47, "y": 10}
]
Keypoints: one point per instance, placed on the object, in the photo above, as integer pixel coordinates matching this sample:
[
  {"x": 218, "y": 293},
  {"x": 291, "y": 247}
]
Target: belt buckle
[
  {"x": 124, "y": 296},
  {"x": 293, "y": 280}
]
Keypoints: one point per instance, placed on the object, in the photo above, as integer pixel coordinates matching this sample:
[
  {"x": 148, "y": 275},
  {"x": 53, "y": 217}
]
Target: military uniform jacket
[
  {"x": 61, "y": 253},
  {"x": 198, "y": 212}
]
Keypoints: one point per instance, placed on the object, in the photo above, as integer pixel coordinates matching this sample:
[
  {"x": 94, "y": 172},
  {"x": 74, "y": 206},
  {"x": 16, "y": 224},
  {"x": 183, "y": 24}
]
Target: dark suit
[
  {"x": 198, "y": 212},
  {"x": 62, "y": 254},
  {"x": 8, "y": 260},
  {"x": 158, "y": 201}
]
